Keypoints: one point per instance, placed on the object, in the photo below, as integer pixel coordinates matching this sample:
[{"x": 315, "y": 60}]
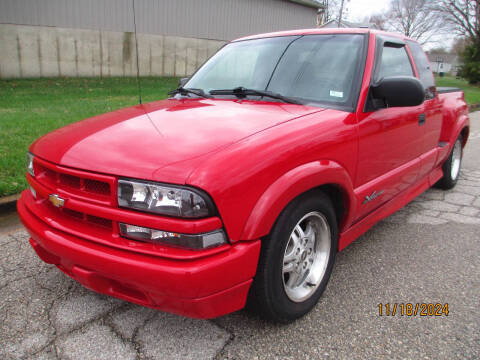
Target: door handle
[{"x": 422, "y": 118}]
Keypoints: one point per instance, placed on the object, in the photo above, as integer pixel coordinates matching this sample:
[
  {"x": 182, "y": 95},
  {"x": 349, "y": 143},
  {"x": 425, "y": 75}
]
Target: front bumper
[{"x": 201, "y": 287}]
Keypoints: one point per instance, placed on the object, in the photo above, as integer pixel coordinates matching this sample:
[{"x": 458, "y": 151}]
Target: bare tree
[
  {"x": 340, "y": 13},
  {"x": 458, "y": 46},
  {"x": 413, "y": 18},
  {"x": 463, "y": 16},
  {"x": 379, "y": 20},
  {"x": 329, "y": 9}
]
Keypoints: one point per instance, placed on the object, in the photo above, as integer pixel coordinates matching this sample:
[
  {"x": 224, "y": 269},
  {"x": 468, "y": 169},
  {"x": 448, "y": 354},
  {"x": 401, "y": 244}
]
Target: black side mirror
[
  {"x": 182, "y": 81},
  {"x": 398, "y": 91}
]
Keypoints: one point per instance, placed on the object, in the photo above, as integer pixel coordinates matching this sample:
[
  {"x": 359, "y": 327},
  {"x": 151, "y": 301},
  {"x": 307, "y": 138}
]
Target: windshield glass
[{"x": 312, "y": 68}]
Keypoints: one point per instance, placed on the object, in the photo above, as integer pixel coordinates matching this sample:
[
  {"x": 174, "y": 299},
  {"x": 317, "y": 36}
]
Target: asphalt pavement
[{"x": 428, "y": 252}]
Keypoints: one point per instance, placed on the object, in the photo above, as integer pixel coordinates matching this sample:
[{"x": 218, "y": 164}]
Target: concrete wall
[{"x": 42, "y": 51}]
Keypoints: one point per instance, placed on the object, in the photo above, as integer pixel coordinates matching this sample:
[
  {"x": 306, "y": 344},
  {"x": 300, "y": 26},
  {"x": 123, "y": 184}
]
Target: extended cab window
[
  {"x": 424, "y": 70},
  {"x": 394, "y": 62}
]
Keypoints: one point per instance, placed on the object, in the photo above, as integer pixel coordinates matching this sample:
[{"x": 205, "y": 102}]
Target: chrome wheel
[
  {"x": 306, "y": 256},
  {"x": 456, "y": 159}
]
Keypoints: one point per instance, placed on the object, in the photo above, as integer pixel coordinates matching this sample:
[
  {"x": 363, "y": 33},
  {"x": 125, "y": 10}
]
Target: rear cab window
[{"x": 423, "y": 68}]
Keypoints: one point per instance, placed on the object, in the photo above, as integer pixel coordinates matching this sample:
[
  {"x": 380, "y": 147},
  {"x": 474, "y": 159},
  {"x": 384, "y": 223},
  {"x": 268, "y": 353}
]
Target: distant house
[
  {"x": 446, "y": 63},
  {"x": 347, "y": 24}
]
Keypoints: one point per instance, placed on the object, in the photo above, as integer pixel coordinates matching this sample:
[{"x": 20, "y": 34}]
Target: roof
[
  {"x": 309, "y": 3},
  {"x": 323, "y": 31}
]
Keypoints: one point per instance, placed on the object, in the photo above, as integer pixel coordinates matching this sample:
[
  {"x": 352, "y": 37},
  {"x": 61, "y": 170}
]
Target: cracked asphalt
[{"x": 428, "y": 252}]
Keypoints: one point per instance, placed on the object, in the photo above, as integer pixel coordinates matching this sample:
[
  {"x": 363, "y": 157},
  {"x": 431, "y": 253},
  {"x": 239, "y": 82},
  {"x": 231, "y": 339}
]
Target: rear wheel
[
  {"x": 296, "y": 260},
  {"x": 451, "y": 168}
]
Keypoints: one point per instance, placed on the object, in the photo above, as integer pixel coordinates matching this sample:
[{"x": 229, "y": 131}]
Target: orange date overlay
[{"x": 409, "y": 309}]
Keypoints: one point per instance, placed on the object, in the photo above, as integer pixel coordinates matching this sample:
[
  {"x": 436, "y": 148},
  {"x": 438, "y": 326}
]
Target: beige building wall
[{"x": 44, "y": 51}]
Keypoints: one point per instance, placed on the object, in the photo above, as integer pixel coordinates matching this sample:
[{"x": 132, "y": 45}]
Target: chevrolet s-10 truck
[{"x": 276, "y": 154}]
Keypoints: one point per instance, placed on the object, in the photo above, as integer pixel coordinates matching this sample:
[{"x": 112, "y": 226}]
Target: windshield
[{"x": 312, "y": 68}]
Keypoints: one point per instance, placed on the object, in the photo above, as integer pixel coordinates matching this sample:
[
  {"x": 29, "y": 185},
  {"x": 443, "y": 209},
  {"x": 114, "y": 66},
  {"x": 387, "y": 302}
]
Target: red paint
[
  {"x": 251, "y": 157},
  {"x": 167, "y": 284}
]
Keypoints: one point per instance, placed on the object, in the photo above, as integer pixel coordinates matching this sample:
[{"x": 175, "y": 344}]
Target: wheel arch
[
  {"x": 465, "y": 132},
  {"x": 461, "y": 126},
  {"x": 325, "y": 175}
]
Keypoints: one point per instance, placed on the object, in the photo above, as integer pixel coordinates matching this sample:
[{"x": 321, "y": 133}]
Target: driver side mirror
[
  {"x": 182, "y": 81},
  {"x": 397, "y": 91}
]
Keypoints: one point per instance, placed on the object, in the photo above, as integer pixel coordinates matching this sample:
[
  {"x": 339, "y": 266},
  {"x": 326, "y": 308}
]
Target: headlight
[
  {"x": 164, "y": 199},
  {"x": 194, "y": 242},
  {"x": 30, "y": 164}
]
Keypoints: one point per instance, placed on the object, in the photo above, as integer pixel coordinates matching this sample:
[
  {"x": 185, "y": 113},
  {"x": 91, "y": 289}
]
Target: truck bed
[{"x": 444, "y": 90}]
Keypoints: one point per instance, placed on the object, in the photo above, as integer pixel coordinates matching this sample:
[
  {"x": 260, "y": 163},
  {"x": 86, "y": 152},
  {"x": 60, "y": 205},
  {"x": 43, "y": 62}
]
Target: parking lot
[{"x": 428, "y": 252}]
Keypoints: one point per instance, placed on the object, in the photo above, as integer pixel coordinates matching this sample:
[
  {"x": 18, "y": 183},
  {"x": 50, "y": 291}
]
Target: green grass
[
  {"x": 472, "y": 92},
  {"x": 30, "y": 108}
]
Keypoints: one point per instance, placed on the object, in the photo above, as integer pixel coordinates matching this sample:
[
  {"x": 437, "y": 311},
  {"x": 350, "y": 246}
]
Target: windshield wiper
[
  {"x": 185, "y": 91},
  {"x": 242, "y": 92}
]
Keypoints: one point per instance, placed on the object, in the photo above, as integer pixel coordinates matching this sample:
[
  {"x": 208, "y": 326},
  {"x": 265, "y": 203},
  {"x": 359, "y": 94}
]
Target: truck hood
[{"x": 162, "y": 141}]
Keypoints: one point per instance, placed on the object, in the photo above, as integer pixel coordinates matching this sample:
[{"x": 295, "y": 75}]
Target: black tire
[
  {"x": 448, "y": 181},
  {"x": 268, "y": 295}
]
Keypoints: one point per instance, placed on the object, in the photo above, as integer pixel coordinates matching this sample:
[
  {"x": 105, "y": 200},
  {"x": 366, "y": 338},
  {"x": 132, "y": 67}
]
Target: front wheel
[
  {"x": 296, "y": 260},
  {"x": 451, "y": 168}
]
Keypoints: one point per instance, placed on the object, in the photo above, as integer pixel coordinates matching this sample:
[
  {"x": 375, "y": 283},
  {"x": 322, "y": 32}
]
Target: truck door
[
  {"x": 432, "y": 110},
  {"x": 390, "y": 139}
]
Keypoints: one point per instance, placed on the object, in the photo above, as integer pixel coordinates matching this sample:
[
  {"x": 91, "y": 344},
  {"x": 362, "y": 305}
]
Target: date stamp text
[{"x": 410, "y": 309}]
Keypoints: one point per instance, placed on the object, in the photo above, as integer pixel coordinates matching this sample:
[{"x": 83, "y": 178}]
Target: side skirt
[{"x": 395, "y": 204}]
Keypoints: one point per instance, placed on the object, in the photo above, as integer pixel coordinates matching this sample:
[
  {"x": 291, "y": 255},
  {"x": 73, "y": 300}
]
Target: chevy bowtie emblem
[{"x": 56, "y": 200}]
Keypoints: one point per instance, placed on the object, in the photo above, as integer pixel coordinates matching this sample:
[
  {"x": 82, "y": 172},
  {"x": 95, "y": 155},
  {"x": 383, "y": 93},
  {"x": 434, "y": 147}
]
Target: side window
[
  {"x": 424, "y": 70},
  {"x": 394, "y": 62}
]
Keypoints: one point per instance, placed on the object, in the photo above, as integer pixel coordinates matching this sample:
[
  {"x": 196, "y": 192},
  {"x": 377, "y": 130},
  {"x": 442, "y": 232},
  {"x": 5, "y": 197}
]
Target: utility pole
[
  {"x": 322, "y": 13},
  {"x": 340, "y": 15}
]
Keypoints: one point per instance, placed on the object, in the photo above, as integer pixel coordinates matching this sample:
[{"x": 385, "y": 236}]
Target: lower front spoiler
[{"x": 203, "y": 288}]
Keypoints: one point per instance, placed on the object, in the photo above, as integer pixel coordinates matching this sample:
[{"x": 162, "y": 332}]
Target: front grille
[
  {"x": 95, "y": 220},
  {"x": 80, "y": 190},
  {"x": 73, "y": 183},
  {"x": 70, "y": 181},
  {"x": 88, "y": 219},
  {"x": 73, "y": 213},
  {"x": 97, "y": 187}
]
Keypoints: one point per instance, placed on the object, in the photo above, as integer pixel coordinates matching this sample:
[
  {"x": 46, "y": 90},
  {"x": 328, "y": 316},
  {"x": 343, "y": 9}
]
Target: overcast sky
[{"x": 359, "y": 9}]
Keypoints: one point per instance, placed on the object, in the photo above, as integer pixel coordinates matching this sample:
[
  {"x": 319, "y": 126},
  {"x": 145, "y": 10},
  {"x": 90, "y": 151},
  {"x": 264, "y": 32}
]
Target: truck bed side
[{"x": 455, "y": 114}]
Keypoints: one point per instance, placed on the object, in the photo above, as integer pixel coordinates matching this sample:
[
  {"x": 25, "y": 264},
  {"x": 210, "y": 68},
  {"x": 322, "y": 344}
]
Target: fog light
[{"x": 189, "y": 241}]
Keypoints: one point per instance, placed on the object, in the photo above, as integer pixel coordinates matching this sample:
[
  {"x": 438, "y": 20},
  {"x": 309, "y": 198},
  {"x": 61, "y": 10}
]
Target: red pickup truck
[{"x": 244, "y": 184}]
